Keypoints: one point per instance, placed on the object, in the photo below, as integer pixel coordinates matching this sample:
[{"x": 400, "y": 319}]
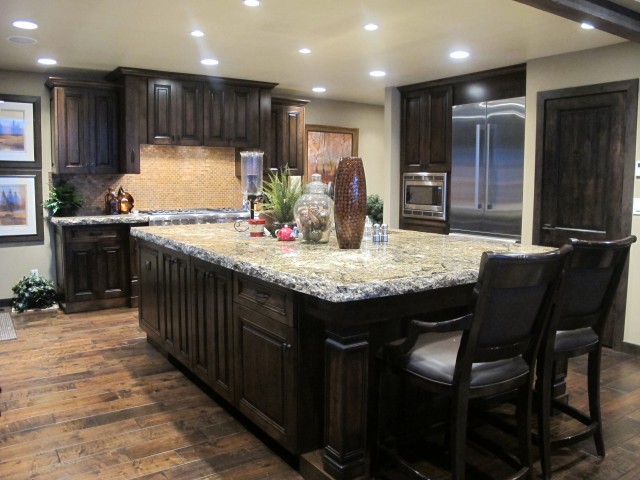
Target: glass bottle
[
  {"x": 314, "y": 212},
  {"x": 125, "y": 201}
]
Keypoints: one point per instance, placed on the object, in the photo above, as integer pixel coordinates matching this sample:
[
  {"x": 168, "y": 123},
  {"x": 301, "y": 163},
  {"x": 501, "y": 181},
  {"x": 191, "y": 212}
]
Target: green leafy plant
[
  {"x": 63, "y": 199},
  {"x": 374, "y": 208},
  {"x": 33, "y": 291},
  {"x": 280, "y": 195}
]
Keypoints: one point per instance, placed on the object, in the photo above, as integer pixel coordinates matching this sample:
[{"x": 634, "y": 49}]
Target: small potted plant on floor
[
  {"x": 34, "y": 293},
  {"x": 64, "y": 200},
  {"x": 280, "y": 195}
]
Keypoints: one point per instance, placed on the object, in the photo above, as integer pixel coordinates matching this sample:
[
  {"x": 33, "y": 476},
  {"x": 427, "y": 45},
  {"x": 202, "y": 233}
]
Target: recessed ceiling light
[
  {"x": 251, "y": 3},
  {"x": 22, "y": 40},
  {"x": 197, "y": 33},
  {"x": 305, "y": 50},
  {"x": 319, "y": 89},
  {"x": 371, "y": 27},
  {"x": 209, "y": 61},
  {"x": 587, "y": 26},
  {"x": 25, "y": 25},
  {"x": 377, "y": 73},
  {"x": 46, "y": 61},
  {"x": 459, "y": 54}
]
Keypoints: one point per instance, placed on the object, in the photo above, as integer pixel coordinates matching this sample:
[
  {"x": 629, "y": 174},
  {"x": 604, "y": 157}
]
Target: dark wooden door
[
  {"x": 212, "y": 326},
  {"x": 175, "y": 327},
  {"x": 162, "y": 115},
  {"x": 189, "y": 113},
  {"x": 584, "y": 169},
  {"x": 71, "y": 117},
  {"x": 287, "y": 137},
  {"x": 151, "y": 281},
  {"x": 103, "y": 131}
]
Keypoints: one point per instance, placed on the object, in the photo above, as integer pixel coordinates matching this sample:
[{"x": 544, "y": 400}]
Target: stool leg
[
  {"x": 594, "y": 398},
  {"x": 544, "y": 387},
  {"x": 458, "y": 436}
]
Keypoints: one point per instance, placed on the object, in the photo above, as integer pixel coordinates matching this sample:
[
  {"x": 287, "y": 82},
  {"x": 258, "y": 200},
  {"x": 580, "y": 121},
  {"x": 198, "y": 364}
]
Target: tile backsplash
[{"x": 170, "y": 177}]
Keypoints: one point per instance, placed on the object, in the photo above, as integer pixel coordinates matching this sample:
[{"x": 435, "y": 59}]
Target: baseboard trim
[{"x": 631, "y": 348}]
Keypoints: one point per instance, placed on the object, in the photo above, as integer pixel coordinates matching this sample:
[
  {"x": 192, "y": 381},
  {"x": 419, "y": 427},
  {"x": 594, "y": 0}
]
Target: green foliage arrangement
[
  {"x": 33, "y": 291},
  {"x": 63, "y": 199},
  {"x": 374, "y": 208},
  {"x": 280, "y": 195}
]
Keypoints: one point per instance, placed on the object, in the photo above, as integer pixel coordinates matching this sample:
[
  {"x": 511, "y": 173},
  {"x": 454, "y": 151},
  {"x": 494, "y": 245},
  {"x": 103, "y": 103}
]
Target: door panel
[{"x": 585, "y": 148}]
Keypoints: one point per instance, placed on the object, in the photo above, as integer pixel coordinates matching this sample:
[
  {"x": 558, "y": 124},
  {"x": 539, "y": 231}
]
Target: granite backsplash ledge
[{"x": 170, "y": 177}]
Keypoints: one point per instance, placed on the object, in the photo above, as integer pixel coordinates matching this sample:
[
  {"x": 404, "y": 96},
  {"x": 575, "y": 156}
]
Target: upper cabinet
[
  {"x": 426, "y": 129},
  {"x": 231, "y": 115},
  {"x": 175, "y": 112},
  {"x": 287, "y": 135},
  {"x": 85, "y": 126}
]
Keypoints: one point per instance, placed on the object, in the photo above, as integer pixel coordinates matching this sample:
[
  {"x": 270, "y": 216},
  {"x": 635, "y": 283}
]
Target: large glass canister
[
  {"x": 251, "y": 173},
  {"x": 314, "y": 212}
]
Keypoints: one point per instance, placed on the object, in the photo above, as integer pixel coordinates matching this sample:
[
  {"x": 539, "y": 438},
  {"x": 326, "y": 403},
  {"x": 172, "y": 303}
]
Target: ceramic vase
[{"x": 350, "y": 202}]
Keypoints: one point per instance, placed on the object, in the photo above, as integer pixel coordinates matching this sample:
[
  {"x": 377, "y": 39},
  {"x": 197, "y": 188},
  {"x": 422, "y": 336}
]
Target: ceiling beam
[{"x": 602, "y": 14}]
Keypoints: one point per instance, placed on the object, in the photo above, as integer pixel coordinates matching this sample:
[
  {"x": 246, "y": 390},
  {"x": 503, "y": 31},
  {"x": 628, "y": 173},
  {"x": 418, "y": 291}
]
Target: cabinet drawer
[
  {"x": 269, "y": 300},
  {"x": 88, "y": 234}
]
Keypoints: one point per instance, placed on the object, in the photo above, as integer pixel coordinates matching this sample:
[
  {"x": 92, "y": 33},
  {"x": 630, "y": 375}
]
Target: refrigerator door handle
[
  {"x": 477, "y": 174},
  {"x": 488, "y": 206}
]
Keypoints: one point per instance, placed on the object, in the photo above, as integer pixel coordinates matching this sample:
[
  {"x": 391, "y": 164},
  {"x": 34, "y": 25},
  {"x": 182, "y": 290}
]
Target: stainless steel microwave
[{"x": 424, "y": 195}]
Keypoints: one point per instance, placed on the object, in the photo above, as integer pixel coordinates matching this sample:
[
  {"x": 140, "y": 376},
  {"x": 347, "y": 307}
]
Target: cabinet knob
[
  {"x": 262, "y": 296},
  {"x": 147, "y": 265},
  {"x": 132, "y": 156},
  {"x": 286, "y": 346}
]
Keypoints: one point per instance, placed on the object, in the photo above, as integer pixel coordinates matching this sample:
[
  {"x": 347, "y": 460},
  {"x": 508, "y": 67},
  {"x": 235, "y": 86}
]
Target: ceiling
[{"x": 262, "y": 43}]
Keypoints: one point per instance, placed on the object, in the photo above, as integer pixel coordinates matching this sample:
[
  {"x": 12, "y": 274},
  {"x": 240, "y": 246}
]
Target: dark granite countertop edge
[{"x": 99, "y": 220}]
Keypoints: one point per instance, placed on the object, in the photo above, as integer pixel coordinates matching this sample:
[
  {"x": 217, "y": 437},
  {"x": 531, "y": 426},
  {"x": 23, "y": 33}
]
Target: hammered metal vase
[{"x": 350, "y": 202}]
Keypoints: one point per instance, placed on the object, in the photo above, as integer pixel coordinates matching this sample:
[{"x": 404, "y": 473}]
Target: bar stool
[
  {"x": 488, "y": 352},
  {"x": 587, "y": 288}
]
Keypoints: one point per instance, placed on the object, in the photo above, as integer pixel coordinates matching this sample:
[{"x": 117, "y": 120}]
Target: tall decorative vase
[{"x": 350, "y": 202}]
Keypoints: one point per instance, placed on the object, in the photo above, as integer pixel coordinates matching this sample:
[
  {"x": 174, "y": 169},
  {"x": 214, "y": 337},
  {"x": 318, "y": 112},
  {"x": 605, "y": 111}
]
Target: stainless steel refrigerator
[{"x": 486, "y": 170}]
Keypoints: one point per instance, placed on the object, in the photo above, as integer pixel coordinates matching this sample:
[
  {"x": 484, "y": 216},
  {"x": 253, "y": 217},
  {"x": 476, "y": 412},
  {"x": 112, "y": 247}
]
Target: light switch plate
[
  {"x": 636, "y": 206},
  {"x": 637, "y": 168}
]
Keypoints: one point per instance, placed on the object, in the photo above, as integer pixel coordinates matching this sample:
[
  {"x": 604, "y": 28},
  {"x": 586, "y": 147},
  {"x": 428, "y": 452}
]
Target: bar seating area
[{"x": 560, "y": 301}]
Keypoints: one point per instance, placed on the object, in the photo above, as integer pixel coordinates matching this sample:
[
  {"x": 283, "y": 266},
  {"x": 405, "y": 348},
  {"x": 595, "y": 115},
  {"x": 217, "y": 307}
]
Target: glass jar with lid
[{"x": 314, "y": 212}]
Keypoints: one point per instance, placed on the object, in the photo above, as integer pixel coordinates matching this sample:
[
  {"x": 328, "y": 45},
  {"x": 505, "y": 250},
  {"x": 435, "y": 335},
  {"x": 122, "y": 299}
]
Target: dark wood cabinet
[
  {"x": 151, "y": 282},
  {"x": 93, "y": 267},
  {"x": 175, "y": 327},
  {"x": 85, "y": 126},
  {"x": 426, "y": 129},
  {"x": 211, "y": 317},
  {"x": 175, "y": 112},
  {"x": 287, "y": 135},
  {"x": 231, "y": 116}
]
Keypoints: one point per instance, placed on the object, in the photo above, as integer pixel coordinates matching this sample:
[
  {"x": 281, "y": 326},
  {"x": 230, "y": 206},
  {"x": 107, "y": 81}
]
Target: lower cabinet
[
  {"x": 92, "y": 264},
  {"x": 237, "y": 336}
]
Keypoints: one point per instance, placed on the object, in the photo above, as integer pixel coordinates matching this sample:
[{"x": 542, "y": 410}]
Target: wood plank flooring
[{"x": 84, "y": 396}]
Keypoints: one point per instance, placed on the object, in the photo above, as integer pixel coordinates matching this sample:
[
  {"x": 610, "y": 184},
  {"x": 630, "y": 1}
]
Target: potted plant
[
  {"x": 374, "y": 208},
  {"x": 33, "y": 292},
  {"x": 64, "y": 200},
  {"x": 280, "y": 195}
]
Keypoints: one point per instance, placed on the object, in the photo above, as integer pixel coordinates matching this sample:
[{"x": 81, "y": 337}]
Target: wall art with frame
[
  {"x": 20, "y": 206},
  {"x": 20, "y": 145},
  {"x": 325, "y": 146}
]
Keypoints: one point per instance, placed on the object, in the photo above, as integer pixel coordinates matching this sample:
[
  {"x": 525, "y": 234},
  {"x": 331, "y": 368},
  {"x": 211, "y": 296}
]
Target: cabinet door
[
  {"x": 112, "y": 259},
  {"x": 287, "y": 137},
  {"x": 103, "y": 131},
  {"x": 212, "y": 326},
  {"x": 265, "y": 367},
  {"x": 215, "y": 128},
  {"x": 162, "y": 115},
  {"x": 81, "y": 261},
  {"x": 440, "y": 123},
  {"x": 175, "y": 326},
  {"x": 231, "y": 116},
  {"x": 71, "y": 116},
  {"x": 414, "y": 135},
  {"x": 133, "y": 122},
  {"x": 189, "y": 108},
  {"x": 150, "y": 305}
]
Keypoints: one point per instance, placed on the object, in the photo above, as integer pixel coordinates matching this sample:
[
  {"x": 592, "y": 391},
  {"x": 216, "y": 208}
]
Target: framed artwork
[
  {"x": 325, "y": 146},
  {"x": 20, "y": 132},
  {"x": 20, "y": 206}
]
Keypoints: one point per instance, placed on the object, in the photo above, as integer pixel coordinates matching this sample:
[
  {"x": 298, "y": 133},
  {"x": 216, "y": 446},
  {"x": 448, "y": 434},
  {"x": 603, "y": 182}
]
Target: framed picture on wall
[
  {"x": 20, "y": 132},
  {"x": 20, "y": 206},
  {"x": 325, "y": 146}
]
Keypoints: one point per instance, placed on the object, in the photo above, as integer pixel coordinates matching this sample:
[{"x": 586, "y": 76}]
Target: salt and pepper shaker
[
  {"x": 384, "y": 233},
  {"x": 376, "y": 233}
]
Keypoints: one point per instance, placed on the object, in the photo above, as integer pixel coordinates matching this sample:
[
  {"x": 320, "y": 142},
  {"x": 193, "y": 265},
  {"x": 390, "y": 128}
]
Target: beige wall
[
  {"x": 609, "y": 64},
  {"x": 16, "y": 260},
  {"x": 369, "y": 119}
]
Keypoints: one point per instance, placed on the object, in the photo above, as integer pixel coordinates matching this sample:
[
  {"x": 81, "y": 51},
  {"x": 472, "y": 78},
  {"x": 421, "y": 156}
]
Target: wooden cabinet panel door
[
  {"x": 212, "y": 326},
  {"x": 103, "y": 129},
  {"x": 112, "y": 269},
  {"x": 189, "y": 108},
  {"x": 440, "y": 122},
  {"x": 215, "y": 131},
  {"x": 161, "y": 115},
  {"x": 176, "y": 329},
  {"x": 265, "y": 366},
  {"x": 414, "y": 140},
  {"x": 82, "y": 276},
  {"x": 242, "y": 115},
  {"x": 71, "y": 119},
  {"x": 151, "y": 281},
  {"x": 287, "y": 138}
]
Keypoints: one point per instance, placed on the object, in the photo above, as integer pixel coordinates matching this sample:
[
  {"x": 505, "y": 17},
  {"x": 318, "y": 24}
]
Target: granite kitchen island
[{"x": 287, "y": 332}]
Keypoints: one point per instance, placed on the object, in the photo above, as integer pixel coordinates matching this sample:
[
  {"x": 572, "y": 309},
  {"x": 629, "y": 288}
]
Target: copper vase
[{"x": 350, "y": 202}]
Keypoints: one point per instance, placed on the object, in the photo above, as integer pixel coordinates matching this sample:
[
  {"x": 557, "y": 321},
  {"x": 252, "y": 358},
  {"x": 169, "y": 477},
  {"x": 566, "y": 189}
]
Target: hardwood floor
[{"x": 84, "y": 396}]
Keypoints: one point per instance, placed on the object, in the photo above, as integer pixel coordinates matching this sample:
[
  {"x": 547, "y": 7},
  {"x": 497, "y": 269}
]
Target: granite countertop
[
  {"x": 409, "y": 262},
  {"x": 99, "y": 220}
]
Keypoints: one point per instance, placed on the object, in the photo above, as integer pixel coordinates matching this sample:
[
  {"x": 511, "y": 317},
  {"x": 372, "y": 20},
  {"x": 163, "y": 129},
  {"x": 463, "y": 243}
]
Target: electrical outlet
[{"x": 34, "y": 271}]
